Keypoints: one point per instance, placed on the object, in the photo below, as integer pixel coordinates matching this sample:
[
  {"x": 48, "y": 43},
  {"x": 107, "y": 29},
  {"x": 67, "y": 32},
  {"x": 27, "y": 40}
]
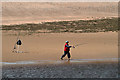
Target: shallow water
[{"x": 61, "y": 61}]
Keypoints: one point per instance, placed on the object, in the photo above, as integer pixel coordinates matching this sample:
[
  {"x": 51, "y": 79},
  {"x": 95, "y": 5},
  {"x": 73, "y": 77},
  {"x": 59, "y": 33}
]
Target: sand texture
[
  {"x": 36, "y": 12},
  {"x": 65, "y": 70},
  {"x": 50, "y": 46}
]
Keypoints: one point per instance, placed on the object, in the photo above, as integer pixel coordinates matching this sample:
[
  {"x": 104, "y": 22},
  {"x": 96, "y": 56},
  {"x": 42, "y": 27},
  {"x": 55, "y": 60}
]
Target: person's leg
[
  {"x": 18, "y": 48},
  {"x": 68, "y": 54},
  {"x": 63, "y": 55}
]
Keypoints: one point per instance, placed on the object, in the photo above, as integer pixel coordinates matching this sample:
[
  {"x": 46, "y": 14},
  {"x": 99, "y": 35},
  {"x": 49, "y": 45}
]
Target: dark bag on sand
[{"x": 19, "y": 42}]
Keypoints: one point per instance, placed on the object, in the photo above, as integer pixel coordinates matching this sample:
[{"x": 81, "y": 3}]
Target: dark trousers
[{"x": 66, "y": 52}]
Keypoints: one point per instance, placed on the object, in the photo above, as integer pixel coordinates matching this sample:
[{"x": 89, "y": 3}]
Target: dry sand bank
[
  {"x": 49, "y": 46},
  {"x": 36, "y": 12}
]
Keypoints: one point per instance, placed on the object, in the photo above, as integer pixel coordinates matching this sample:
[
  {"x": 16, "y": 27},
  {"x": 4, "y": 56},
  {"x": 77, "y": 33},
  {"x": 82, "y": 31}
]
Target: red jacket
[{"x": 66, "y": 47}]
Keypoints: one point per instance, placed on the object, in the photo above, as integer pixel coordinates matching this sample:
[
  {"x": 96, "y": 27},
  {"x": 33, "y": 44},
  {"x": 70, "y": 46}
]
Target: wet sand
[
  {"x": 64, "y": 70},
  {"x": 49, "y": 46}
]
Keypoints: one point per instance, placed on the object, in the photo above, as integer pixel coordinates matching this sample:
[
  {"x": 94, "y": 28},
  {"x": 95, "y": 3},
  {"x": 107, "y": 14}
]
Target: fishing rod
[
  {"x": 79, "y": 45},
  {"x": 16, "y": 41}
]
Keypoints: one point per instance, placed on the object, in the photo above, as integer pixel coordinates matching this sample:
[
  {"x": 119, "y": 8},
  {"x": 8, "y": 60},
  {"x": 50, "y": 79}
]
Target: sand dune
[{"x": 31, "y": 12}]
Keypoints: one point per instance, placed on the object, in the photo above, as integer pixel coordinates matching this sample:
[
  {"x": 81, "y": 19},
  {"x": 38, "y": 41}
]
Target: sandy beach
[
  {"x": 40, "y": 53},
  {"x": 41, "y": 58},
  {"x": 37, "y": 12},
  {"x": 49, "y": 46}
]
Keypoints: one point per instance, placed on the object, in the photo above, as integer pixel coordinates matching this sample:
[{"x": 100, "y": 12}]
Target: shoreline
[{"x": 72, "y": 61}]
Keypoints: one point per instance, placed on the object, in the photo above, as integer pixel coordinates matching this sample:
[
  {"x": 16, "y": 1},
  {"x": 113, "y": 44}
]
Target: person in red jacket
[{"x": 66, "y": 50}]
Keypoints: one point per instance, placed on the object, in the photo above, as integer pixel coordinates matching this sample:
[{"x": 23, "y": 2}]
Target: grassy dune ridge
[{"x": 99, "y": 25}]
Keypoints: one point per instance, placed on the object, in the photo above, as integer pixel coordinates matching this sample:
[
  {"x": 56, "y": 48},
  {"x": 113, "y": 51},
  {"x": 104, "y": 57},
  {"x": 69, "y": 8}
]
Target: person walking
[
  {"x": 18, "y": 44},
  {"x": 66, "y": 50}
]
